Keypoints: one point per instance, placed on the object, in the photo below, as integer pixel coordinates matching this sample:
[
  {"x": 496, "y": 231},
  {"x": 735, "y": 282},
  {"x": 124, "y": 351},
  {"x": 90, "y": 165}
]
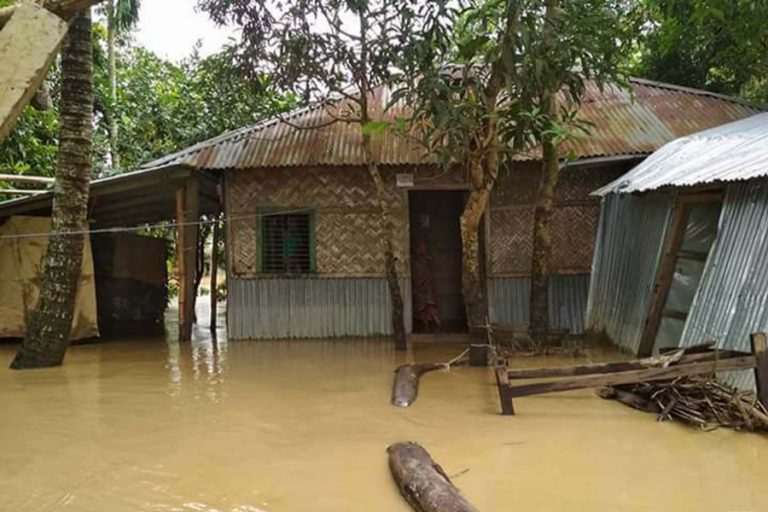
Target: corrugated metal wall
[
  {"x": 732, "y": 299},
  {"x": 630, "y": 240},
  {"x": 311, "y": 308},
  {"x": 509, "y": 301}
]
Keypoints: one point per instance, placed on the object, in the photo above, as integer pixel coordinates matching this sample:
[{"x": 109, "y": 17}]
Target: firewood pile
[{"x": 696, "y": 400}]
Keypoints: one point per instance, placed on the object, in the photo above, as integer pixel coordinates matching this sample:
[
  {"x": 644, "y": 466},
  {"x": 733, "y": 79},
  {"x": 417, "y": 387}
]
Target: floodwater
[{"x": 150, "y": 425}]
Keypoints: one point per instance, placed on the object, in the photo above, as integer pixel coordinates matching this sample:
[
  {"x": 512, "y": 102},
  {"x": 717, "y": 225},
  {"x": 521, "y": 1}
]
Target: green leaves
[{"x": 375, "y": 127}]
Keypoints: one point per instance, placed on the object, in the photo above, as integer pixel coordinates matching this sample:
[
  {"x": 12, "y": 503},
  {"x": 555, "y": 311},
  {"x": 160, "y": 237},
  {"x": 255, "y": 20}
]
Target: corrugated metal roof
[
  {"x": 625, "y": 122},
  {"x": 732, "y": 152}
]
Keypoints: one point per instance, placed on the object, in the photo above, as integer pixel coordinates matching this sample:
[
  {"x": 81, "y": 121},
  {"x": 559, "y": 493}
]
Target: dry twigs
[{"x": 699, "y": 401}]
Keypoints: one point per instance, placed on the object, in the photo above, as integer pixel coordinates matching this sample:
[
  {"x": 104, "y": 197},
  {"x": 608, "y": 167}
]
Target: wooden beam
[
  {"x": 22, "y": 178},
  {"x": 191, "y": 234},
  {"x": 502, "y": 381},
  {"x": 62, "y": 8},
  {"x": 650, "y": 374},
  {"x": 760, "y": 350},
  {"x": 214, "y": 271},
  {"x": 181, "y": 263},
  {"x": 664, "y": 278},
  {"x": 19, "y": 192},
  {"x": 29, "y": 43},
  {"x": 620, "y": 366}
]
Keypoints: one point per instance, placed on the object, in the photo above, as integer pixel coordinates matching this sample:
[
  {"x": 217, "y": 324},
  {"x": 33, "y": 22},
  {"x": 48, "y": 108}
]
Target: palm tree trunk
[
  {"x": 50, "y": 325},
  {"x": 112, "y": 70}
]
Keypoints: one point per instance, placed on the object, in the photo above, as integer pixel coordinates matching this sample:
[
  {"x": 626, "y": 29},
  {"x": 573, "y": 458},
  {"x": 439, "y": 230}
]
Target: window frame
[{"x": 311, "y": 235}]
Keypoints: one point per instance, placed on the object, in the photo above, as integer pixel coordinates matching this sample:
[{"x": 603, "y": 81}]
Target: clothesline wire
[{"x": 165, "y": 224}]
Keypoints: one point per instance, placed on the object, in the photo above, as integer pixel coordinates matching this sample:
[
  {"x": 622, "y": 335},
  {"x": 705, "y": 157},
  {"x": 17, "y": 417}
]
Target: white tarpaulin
[{"x": 21, "y": 262}]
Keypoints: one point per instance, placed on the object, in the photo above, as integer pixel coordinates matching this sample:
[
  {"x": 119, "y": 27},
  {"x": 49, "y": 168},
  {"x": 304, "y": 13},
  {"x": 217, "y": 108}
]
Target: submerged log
[
  {"x": 422, "y": 482},
  {"x": 628, "y": 398},
  {"x": 406, "y": 385}
]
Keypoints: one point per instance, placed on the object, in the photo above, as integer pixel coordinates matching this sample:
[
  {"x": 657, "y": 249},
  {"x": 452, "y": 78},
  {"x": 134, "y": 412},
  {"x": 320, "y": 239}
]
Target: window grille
[{"x": 286, "y": 244}]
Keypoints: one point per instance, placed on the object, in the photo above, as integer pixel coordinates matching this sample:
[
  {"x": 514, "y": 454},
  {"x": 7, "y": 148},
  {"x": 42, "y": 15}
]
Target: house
[
  {"x": 682, "y": 245},
  {"x": 304, "y": 254},
  {"x": 309, "y": 188}
]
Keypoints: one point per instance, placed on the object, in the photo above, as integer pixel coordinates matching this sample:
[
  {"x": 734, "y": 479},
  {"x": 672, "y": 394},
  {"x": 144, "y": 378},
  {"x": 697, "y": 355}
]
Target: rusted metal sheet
[
  {"x": 635, "y": 121},
  {"x": 735, "y": 151}
]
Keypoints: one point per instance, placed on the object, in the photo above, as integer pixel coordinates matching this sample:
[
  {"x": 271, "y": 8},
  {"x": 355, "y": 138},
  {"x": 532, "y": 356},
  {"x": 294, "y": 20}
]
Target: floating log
[
  {"x": 422, "y": 482},
  {"x": 406, "y": 385}
]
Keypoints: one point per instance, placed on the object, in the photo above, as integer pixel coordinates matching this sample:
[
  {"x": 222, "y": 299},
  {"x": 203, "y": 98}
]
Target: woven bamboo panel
[
  {"x": 348, "y": 231},
  {"x": 511, "y": 241},
  {"x": 576, "y": 184},
  {"x": 574, "y": 229},
  {"x": 517, "y": 185}
]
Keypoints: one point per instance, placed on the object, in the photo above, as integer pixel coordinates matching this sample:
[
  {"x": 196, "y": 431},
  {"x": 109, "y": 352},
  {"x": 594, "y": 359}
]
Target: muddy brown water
[{"x": 150, "y": 425}]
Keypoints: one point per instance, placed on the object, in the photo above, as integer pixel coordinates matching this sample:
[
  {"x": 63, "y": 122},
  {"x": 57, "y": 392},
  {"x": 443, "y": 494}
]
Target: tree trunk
[
  {"x": 112, "y": 70},
  {"x": 50, "y": 325},
  {"x": 390, "y": 268},
  {"x": 542, "y": 220},
  {"x": 473, "y": 290}
]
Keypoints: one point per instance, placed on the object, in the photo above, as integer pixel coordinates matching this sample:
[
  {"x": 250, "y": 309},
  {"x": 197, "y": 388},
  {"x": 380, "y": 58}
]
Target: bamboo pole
[
  {"x": 20, "y": 178},
  {"x": 19, "y": 192}
]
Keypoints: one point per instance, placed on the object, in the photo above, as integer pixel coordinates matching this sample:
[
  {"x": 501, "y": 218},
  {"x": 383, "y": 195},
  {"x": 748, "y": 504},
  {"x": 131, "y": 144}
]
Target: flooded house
[
  {"x": 682, "y": 245},
  {"x": 302, "y": 232},
  {"x": 304, "y": 257}
]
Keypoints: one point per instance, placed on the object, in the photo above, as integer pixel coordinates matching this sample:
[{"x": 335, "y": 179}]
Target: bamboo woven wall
[
  {"x": 348, "y": 227},
  {"x": 574, "y": 219}
]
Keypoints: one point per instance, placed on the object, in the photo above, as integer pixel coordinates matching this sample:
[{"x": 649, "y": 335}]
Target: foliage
[
  {"x": 165, "y": 107},
  {"x": 717, "y": 45},
  {"x": 504, "y": 70}
]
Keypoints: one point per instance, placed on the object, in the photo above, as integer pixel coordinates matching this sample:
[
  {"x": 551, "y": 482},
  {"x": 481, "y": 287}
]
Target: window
[{"x": 287, "y": 244}]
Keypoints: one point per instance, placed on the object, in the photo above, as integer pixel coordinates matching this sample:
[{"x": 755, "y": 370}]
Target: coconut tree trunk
[
  {"x": 112, "y": 70},
  {"x": 542, "y": 220},
  {"x": 50, "y": 325},
  {"x": 390, "y": 268}
]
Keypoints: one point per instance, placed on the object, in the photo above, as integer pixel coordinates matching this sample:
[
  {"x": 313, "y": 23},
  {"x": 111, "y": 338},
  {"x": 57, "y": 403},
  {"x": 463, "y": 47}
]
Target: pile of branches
[{"x": 698, "y": 401}]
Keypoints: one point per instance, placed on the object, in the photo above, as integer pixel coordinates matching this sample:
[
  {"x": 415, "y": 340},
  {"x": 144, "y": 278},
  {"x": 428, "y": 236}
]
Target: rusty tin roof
[{"x": 637, "y": 121}]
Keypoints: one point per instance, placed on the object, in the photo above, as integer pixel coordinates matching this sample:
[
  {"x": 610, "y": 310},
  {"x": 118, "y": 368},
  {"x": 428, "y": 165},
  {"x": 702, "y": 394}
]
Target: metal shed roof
[
  {"x": 732, "y": 152},
  {"x": 625, "y": 122}
]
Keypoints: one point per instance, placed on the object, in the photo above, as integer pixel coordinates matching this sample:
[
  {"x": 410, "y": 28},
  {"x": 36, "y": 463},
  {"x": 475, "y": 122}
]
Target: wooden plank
[
  {"x": 619, "y": 366},
  {"x": 615, "y": 379},
  {"x": 18, "y": 192},
  {"x": 664, "y": 278},
  {"x": 62, "y": 8},
  {"x": 181, "y": 263},
  {"x": 502, "y": 382},
  {"x": 29, "y": 43},
  {"x": 23, "y": 178},
  {"x": 760, "y": 350},
  {"x": 214, "y": 271},
  {"x": 191, "y": 238}
]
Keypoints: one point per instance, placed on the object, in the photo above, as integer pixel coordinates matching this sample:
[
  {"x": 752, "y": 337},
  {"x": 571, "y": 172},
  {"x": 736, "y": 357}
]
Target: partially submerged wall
[
  {"x": 732, "y": 299},
  {"x": 630, "y": 241},
  {"x": 23, "y": 243}
]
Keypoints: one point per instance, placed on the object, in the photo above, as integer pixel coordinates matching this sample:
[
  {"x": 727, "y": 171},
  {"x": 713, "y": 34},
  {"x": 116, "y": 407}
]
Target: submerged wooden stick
[
  {"x": 422, "y": 482},
  {"x": 406, "y": 385}
]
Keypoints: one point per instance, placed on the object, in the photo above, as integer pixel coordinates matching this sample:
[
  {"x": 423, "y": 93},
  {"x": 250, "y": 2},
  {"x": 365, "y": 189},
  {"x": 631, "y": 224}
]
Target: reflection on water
[{"x": 150, "y": 425}]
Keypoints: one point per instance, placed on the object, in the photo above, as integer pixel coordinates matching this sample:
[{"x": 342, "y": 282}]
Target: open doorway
[
  {"x": 691, "y": 236},
  {"x": 438, "y": 304}
]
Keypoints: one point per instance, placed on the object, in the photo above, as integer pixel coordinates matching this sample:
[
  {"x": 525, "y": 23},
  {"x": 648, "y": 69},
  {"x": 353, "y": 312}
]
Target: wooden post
[
  {"x": 187, "y": 232},
  {"x": 214, "y": 270},
  {"x": 181, "y": 262},
  {"x": 760, "y": 349},
  {"x": 664, "y": 278}
]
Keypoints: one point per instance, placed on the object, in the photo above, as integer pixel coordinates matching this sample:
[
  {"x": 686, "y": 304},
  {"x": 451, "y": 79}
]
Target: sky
[{"x": 171, "y": 28}]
